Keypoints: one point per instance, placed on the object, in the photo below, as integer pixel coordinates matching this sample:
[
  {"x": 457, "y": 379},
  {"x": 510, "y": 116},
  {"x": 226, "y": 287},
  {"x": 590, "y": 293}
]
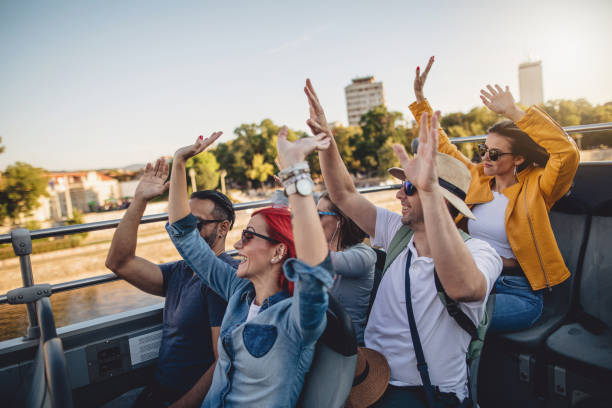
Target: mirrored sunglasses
[{"x": 494, "y": 154}]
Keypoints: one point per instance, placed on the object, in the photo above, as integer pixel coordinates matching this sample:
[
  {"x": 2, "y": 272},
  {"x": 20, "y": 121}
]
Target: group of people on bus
[{"x": 242, "y": 331}]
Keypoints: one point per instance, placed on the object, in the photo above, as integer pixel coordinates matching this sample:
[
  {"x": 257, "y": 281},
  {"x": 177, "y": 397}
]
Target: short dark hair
[
  {"x": 349, "y": 233},
  {"x": 521, "y": 144},
  {"x": 224, "y": 209}
]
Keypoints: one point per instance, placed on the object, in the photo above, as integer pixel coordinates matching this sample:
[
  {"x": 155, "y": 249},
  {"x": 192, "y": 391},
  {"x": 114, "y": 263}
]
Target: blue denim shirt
[{"x": 263, "y": 362}]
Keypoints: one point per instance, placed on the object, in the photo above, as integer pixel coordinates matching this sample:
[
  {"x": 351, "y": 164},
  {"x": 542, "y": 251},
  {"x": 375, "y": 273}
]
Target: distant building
[
  {"x": 530, "y": 83},
  {"x": 83, "y": 190},
  {"x": 361, "y": 96}
]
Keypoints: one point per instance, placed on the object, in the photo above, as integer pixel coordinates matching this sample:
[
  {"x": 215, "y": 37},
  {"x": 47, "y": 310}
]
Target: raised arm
[
  {"x": 312, "y": 270},
  {"x": 122, "y": 259},
  {"x": 422, "y": 106},
  {"x": 215, "y": 273},
  {"x": 338, "y": 181},
  {"x": 457, "y": 270},
  {"x": 564, "y": 155}
]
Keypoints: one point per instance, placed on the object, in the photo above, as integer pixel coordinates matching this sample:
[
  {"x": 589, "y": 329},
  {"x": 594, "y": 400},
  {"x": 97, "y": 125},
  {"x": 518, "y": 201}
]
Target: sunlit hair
[
  {"x": 349, "y": 233},
  {"x": 521, "y": 144},
  {"x": 278, "y": 221}
]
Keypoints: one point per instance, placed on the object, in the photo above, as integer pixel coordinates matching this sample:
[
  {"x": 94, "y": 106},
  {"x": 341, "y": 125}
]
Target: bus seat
[
  {"x": 56, "y": 372},
  {"x": 46, "y": 322},
  {"x": 570, "y": 223},
  {"x": 580, "y": 353},
  {"x": 521, "y": 354},
  {"x": 329, "y": 381}
]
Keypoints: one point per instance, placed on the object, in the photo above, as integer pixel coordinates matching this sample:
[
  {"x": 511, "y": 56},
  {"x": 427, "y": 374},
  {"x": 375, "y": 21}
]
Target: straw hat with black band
[
  {"x": 454, "y": 178},
  {"x": 372, "y": 375}
]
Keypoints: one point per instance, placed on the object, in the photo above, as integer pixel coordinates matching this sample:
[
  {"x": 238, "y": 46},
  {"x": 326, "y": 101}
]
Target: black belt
[{"x": 513, "y": 271}]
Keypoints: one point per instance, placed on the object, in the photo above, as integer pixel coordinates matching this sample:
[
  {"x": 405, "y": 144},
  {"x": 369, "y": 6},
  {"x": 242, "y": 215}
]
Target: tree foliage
[
  {"x": 206, "y": 170},
  {"x": 21, "y": 187}
]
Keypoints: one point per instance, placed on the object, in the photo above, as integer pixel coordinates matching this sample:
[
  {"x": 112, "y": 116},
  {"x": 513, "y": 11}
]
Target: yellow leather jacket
[{"x": 529, "y": 200}]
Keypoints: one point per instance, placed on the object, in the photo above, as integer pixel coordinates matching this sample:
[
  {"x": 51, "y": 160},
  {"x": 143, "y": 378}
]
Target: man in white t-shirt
[{"x": 434, "y": 189}]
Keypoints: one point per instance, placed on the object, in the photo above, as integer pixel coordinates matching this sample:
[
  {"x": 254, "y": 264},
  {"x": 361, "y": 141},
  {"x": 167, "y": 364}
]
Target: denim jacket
[{"x": 263, "y": 362}]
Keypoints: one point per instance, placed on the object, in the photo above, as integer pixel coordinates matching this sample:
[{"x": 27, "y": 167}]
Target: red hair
[{"x": 278, "y": 220}]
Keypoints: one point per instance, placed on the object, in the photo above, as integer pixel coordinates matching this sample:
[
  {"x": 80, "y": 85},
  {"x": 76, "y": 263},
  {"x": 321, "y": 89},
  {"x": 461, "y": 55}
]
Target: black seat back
[
  {"x": 596, "y": 279},
  {"x": 381, "y": 256},
  {"x": 329, "y": 381}
]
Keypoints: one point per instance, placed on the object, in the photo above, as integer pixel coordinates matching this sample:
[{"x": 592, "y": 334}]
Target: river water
[{"x": 110, "y": 298}]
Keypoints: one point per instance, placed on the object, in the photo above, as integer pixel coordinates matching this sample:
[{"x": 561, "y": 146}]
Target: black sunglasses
[
  {"x": 248, "y": 235},
  {"x": 202, "y": 222},
  {"x": 408, "y": 187},
  {"x": 494, "y": 154}
]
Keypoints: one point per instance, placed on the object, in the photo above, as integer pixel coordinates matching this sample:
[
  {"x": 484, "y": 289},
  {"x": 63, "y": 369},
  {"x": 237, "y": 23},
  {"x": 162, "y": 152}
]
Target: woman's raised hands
[
  {"x": 153, "y": 181},
  {"x": 201, "y": 144},
  {"x": 501, "y": 101},
  {"x": 291, "y": 153},
  {"x": 419, "y": 80},
  {"x": 421, "y": 171},
  {"x": 317, "y": 122}
]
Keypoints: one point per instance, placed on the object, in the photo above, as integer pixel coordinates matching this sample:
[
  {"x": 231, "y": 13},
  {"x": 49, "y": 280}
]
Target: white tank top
[{"x": 490, "y": 224}]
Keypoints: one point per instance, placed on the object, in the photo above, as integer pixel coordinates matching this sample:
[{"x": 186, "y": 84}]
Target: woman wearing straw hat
[
  {"x": 528, "y": 164},
  {"x": 270, "y": 328}
]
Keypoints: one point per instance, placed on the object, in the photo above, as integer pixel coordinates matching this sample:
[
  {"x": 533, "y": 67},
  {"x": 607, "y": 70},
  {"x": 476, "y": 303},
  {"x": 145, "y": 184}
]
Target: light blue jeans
[{"x": 517, "y": 306}]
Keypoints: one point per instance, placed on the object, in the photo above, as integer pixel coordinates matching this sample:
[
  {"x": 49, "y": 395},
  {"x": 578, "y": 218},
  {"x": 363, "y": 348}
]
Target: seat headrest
[{"x": 339, "y": 335}]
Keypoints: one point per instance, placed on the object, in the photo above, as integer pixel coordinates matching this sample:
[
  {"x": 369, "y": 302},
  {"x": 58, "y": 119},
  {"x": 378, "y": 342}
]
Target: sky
[{"x": 103, "y": 84}]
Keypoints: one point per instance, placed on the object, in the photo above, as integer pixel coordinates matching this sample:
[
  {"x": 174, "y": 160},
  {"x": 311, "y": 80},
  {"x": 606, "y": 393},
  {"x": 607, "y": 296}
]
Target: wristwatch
[{"x": 302, "y": 186}]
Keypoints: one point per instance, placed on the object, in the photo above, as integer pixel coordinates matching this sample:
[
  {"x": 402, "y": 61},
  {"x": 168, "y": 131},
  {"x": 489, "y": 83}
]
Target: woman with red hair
[{"x": 270, "y": 327}]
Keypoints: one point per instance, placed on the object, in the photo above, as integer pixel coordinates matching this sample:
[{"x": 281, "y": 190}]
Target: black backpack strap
[
  {"x": 416, "y": 342},
  {"x": 452, "y": 307}
]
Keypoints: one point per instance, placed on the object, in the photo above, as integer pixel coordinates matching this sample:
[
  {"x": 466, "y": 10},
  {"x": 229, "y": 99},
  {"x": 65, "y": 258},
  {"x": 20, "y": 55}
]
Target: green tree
[
  {"x": 260, "y": 170},
  {"x": 21, "y": 187},
  {"x": 1, "y": 147},
  {"x": 206, "y": 169}
]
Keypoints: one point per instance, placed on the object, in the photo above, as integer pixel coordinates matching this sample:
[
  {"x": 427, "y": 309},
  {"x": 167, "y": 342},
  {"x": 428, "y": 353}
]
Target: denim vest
[{"x": 263, "y": 362}]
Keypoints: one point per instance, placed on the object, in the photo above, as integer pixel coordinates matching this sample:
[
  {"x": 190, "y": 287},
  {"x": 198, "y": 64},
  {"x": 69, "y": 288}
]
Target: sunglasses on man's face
[
  {"x": 408, "y": 187},
  {"x": 202, "y": 222},
  {"x": 494, "y": 154},
  {"x": 248, "y": 235}
]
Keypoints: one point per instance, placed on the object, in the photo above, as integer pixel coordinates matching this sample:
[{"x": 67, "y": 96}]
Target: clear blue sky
[{"x": 92, "y": 84}]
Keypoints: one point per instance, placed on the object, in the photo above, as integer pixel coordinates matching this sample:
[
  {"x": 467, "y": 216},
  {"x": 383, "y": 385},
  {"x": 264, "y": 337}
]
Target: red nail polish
[
  {"x": 201, "y": 137},
  {"x": 418, "y": 68}
]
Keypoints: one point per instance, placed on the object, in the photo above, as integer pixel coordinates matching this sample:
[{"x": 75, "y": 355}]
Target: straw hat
[
  {"x": 371, "y": 378},
  {"x": 454, "y": 178}
]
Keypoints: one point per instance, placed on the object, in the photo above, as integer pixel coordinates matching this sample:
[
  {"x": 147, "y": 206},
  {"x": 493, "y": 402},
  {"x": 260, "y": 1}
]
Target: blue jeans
[{"x": 517, "y": 306}]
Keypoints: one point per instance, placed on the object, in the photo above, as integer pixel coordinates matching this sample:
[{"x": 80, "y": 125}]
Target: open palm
[
  {"x": 317, "y": 120},
  {"x": 153, "y": 181},
  {"x": 291, "y": 153},
  {"x": 421, "y": 170},
  {"x": 201, "y": 144}
]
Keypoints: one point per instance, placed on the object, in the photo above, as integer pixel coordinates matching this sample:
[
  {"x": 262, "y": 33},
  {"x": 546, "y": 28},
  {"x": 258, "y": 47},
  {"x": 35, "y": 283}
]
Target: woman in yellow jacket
[{"x": 528, "y": 163}]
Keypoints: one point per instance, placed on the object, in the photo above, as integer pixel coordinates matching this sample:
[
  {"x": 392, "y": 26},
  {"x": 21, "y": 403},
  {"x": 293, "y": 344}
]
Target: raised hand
[
  {"x": 421, "y": 171},
  {"x": 501, "y": 101},
  {"x": 201, "y": 144},
  {"x": 153, "y": 181},
  {"x": 317, "y": 122},
  {"x": 419, "y": 80},
  {"x": 290, "y": 153}
]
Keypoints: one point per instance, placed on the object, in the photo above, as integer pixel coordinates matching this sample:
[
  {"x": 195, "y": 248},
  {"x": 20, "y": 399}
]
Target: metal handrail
[{"x": 101, "y": 225}]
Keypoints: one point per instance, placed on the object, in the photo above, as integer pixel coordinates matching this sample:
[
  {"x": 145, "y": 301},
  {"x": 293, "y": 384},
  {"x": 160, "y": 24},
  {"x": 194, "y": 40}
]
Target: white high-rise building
[
  {"x": 530, "y": 83},
  {"x": 362, "y": 95}
]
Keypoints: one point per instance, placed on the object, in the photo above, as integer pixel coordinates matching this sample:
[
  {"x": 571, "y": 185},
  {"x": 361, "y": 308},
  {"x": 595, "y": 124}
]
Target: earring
[{"x": 515, "y": 167}]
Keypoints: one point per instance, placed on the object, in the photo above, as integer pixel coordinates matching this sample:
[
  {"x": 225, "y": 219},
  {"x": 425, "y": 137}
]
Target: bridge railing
[{"x": 21, "y": 239}]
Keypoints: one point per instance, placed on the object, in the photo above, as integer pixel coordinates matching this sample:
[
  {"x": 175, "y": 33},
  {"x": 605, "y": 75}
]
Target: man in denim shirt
[{"x": 192, "y": 311}]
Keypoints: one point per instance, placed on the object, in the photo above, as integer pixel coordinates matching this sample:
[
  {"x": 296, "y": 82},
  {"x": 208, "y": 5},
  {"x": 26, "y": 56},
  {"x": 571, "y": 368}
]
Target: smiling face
[
  {"x": 330, "y": 223},
  {"x": 505, "y": 163},
  {"x": 412, "y": 210},
  {"x": 257, "y": 253}
]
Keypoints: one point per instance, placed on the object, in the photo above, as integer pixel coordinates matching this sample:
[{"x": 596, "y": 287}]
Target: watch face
[{"x": 304, "y": 186}]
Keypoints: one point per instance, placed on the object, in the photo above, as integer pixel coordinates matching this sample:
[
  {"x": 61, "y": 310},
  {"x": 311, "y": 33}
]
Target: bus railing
[{"x": 22, "y": 241}]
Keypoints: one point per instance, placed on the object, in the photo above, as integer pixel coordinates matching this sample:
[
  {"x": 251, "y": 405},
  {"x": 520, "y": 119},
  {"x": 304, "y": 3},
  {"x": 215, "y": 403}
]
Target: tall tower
[
  {"x": 362, "y": 95},
  {"x": 530, "y": 83}
]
